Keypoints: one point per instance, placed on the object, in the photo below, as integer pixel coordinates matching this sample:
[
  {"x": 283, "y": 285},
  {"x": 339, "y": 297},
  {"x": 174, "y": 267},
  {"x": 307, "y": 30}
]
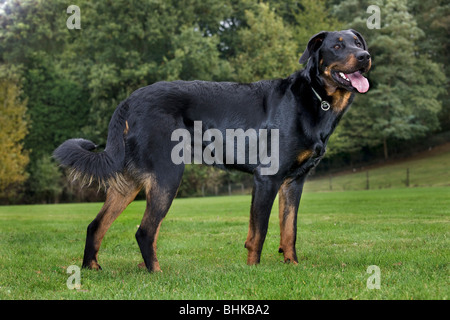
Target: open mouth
[{"x": 355, "y": 80}]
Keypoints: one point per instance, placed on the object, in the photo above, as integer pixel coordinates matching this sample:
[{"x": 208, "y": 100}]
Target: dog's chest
[{"x": 313, "y": 139}]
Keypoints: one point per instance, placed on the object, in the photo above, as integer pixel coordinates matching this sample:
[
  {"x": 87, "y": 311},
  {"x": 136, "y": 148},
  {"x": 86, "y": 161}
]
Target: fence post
[
  {"x": 367, "y": 180},
  {"x": 407, "y": 177}
]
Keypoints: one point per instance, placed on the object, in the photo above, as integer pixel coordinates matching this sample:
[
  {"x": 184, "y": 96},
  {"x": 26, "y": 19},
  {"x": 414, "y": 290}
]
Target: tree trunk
[{"x": 385, "y": 148}]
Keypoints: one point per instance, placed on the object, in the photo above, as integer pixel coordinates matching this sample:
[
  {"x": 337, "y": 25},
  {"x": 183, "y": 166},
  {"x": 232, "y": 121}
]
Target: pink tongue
[{"x": 358, "y": 81}]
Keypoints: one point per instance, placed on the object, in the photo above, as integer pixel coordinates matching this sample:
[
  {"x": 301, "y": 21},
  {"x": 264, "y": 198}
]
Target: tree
[
  {"x": 74, "y": 79},
  {"x": 402, "y": 103},
  {"x": 57, "y": 107},
  {"x": 433, "y": 17},
  {"x": 198, "y": 178},
  {"x": 45, "y": 185},
  {"x": 313, "y": 17},
  {"x": 13, "y": 129},
  {"x": 33, "y": 35},
  {"x": 123, "y": 47},
  {"x": 273, "y": 35},
  {"x": 27, "y": 27},
  {"x": 267, "y": 49}
]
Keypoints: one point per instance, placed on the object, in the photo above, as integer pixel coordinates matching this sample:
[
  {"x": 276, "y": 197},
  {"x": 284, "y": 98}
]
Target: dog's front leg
[
  {"x": 289, "y": 200},
  {"x": 264, "y": 192}
]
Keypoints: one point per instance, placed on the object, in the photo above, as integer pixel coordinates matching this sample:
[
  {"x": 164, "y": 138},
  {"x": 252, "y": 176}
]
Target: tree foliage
[
  {"x": 266, "y": 48},
  {"x": 13, "y": 129},
  {"x": 72, "y": 80},
  {"x": 405, "y": 83},
  {"x": 433, "y": 17}
]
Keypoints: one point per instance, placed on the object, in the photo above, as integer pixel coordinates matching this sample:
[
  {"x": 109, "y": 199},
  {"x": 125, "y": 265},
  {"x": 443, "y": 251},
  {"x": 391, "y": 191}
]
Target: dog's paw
[
  {"x": 155, "y": 268},
  {"x": 93, "y": 265}
]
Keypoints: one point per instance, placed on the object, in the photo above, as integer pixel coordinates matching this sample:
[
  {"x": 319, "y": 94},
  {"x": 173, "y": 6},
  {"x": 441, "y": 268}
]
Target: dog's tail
[{"x": 107, "y": 166}]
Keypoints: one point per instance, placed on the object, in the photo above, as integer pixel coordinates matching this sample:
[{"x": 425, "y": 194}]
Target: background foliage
[{"x": 57, "y": 83}]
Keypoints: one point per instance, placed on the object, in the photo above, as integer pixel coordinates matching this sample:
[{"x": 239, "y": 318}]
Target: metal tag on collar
[{"x": 325, "y": 106}]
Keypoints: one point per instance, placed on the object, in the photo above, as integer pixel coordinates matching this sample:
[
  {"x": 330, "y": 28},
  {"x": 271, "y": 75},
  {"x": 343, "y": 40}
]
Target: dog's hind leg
[
  {"x": 161, "y": 188},
  {"x": 114, "y": 205}
]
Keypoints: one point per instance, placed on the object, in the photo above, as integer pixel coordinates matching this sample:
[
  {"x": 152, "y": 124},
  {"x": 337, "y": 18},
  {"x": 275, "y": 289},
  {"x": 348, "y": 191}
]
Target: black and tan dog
[{"x": 305, "y": 108}]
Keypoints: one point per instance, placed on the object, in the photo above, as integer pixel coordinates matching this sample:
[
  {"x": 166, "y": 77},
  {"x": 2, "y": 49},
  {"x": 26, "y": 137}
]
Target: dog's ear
[
  {"x": 313, "y": 45},
  {"x": 360, "y": 37}
]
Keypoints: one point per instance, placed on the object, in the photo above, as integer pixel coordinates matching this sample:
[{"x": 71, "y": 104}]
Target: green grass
[
  {"x": 201, "y": 250},
  {"x": 427, "y": 169}
]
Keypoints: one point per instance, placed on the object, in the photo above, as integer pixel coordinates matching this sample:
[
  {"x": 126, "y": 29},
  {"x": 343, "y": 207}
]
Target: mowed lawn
[
  {"x": 405, "y": 232},
  {"x": 426, "y": 169}
]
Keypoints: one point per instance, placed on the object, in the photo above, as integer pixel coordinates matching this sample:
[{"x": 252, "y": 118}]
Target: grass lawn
[
  {"x": 426, "y": 169},
  {"x": 405, "y": 232}
]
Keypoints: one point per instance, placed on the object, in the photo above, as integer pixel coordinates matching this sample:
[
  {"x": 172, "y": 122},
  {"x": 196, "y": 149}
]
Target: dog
[{"x": 303, "y": 108}]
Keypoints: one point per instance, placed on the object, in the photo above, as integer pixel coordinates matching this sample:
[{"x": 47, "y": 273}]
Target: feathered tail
[{"x": 106, "y": 167}]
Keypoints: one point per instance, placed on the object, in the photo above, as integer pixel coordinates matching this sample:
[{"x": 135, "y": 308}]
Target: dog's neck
[{"x": 341, "y": 98}]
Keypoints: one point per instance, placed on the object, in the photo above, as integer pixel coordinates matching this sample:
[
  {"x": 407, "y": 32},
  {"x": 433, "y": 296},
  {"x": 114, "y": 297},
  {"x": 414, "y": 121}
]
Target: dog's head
[{"x": 339, "y": 59}]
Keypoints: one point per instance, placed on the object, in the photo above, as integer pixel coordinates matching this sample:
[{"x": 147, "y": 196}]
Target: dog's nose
[{"x": 363, "y": 56}]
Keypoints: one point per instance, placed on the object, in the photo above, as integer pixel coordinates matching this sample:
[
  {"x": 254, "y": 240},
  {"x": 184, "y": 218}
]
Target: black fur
[
  {"x": 139, "y": 140},
  {"x": 79, "y": 154}
]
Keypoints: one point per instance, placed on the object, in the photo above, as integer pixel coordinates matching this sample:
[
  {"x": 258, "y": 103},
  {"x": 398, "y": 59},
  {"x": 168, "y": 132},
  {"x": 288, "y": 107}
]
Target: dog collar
[{"x": 325, "y": 105}]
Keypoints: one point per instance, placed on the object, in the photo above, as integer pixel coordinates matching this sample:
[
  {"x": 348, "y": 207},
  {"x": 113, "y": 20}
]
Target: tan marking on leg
[
  {"x": 127, "y": 128},
  {"x": 156, "y": 267},
  {"x": 287, "y": 214},
  {"x": 93, "y": 265},
  {"x": 287, "y": 239},
  {"x": 151, "y": 187},
  {"x": 304, "y": 155},
  {"x": 254, "y": 254},
  {"x": 114, "y": 205},
  {"x": 149, "y": 182},
  {"x": 252, "y": 244}
]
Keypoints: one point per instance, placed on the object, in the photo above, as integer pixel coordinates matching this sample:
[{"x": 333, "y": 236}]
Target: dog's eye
[
  {"x": 358, "y": 44},
  {"x": 337, "y": 46}
]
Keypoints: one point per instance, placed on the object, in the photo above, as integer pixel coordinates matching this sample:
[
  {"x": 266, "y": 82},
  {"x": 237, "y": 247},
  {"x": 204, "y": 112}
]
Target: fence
[
  {"x": 356, "y": 180},
  {"x": 377, "y": 179}
]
